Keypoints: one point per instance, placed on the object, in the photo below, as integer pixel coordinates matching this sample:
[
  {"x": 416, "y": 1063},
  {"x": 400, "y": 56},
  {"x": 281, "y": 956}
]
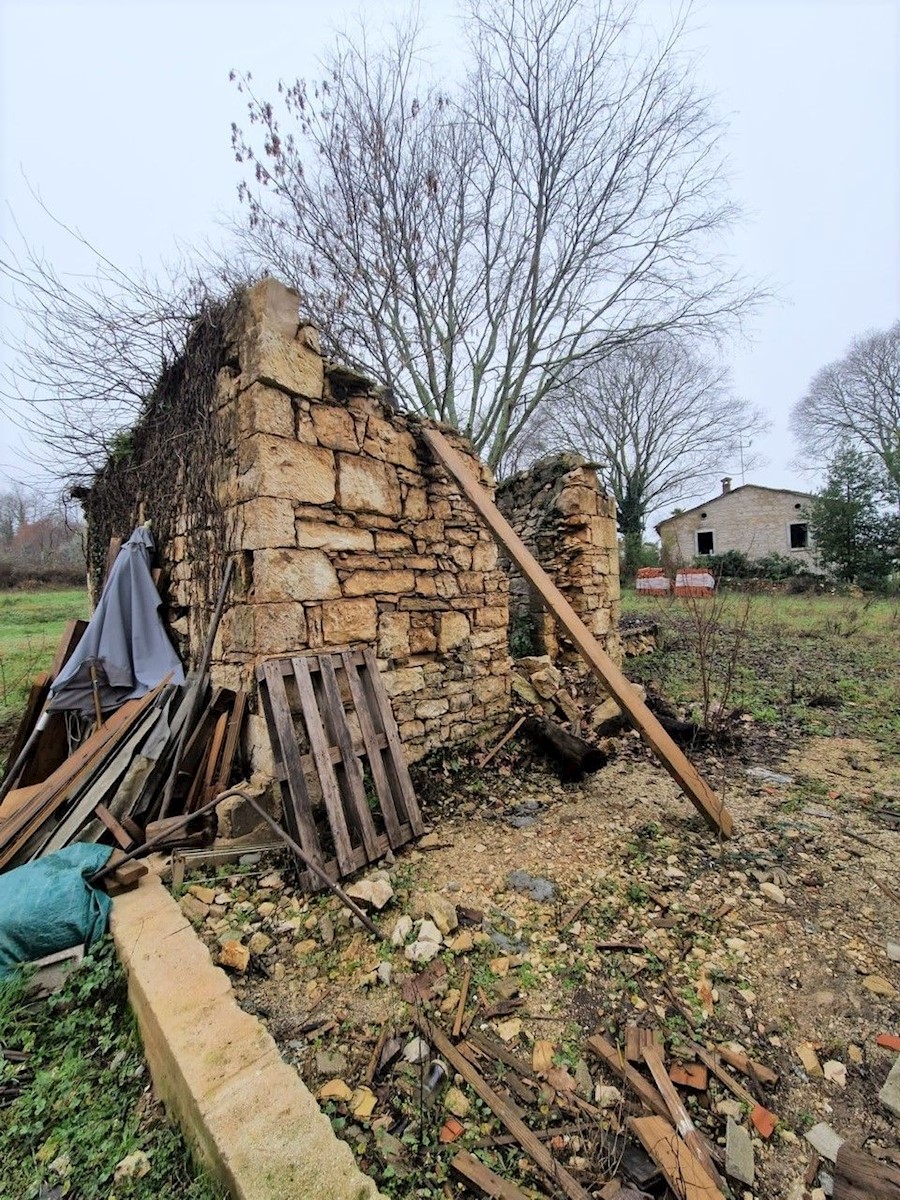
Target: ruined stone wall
[
  {"x": 569, "y": 524},
  {"x": 345, "y": 533}
]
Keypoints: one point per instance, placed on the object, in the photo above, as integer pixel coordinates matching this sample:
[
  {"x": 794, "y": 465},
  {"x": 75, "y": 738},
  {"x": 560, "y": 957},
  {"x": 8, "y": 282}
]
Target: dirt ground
[{"x": 716, "y": 954}]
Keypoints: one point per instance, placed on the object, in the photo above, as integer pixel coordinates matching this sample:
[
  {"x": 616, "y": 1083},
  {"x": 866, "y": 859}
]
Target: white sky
[{"x": 119, "y": 114}]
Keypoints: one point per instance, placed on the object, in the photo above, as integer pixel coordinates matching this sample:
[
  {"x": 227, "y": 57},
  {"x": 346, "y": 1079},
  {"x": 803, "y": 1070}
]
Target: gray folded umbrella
[{"x": 125, "y": 640}]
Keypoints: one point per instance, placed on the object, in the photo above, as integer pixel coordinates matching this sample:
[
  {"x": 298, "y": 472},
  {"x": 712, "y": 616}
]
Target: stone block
[
  {"x": 323, "y": 535},
  {"x": 428, "y": 709},
  {"x": 403, "y": 680},
  {"x": 389, "y": 543},
  {"x": 415, "y": 504},
  {"x": 490, "y": 688},
  {"x": 493, "y": 617},
  {"x": 422, "y": 641},
  {"x": 262, "y": 409},
  {"x": 237, "y": 631},
  {"x": 394, "y": 635},
  {"x": 367, "y": 485},
  {"x": 392, "y": 445},
  {"x": 280, "y": 628},
  {"x": 280, "y": 575},
  {"x": 379, "y": 583},
  {"x": 453, "y": 630},
  {"x": 266, "y": 523},
  {"x": 484, "y": 556},
  {"x": 284, "y": 467},
  {"x": 272, "y": 346},
  {"x": 334, "y": 427},
  {"x": 348, "y": 621}
]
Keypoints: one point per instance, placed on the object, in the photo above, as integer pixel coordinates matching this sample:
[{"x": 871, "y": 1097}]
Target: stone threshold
[{"x": 246, "y": 1114}]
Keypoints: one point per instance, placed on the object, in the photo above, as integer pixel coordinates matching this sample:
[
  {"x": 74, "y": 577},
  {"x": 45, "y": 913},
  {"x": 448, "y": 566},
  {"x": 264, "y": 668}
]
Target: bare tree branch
[
  {"x": 472, "y": 245},
  {"x": 657, "y": 420},
  {"x": 856, "y": 401}
]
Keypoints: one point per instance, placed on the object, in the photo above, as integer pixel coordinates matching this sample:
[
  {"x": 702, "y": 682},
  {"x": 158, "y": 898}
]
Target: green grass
[
  {"x": 827, "y": 664},
  {"x": 85, "y": 1103},
  {"x": 31, "y": 624}
]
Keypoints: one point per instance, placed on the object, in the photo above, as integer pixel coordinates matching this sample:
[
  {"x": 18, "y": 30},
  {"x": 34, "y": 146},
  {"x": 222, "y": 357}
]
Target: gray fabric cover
[{"x": 125, "y": 638}]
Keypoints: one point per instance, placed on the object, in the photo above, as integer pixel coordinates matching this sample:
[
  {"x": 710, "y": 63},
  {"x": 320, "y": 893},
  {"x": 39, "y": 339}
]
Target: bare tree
[
  {"x": 658, "y": 421},
  {"x": 856, "y": 401},
  {"x": 473, "y": 245},
  {"x": 87, "y": 349}
]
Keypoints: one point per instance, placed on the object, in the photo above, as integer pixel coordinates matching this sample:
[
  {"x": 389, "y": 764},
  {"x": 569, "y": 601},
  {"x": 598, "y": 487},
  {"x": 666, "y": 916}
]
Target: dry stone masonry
[
  {"x": 569, "y": 525},
  {"x": 345, "y": 532},
  {"x": 348, "y": 534}
]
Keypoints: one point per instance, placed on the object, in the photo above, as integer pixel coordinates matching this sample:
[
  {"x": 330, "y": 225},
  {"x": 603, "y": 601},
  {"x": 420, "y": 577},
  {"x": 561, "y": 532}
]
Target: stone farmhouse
[{"x": 758, "y": 521}]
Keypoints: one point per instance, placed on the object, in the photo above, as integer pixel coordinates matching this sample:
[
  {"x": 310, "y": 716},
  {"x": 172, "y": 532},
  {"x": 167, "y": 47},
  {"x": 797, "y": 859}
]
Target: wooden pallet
[{"x": 329, "y": 717}]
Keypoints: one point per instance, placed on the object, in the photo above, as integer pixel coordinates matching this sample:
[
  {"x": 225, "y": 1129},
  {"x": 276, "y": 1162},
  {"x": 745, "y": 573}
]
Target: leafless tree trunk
[
  {"x": 855, "y": 401},
  {"x": 659, "y": 422},
  {"x": 476, "y": 245}
]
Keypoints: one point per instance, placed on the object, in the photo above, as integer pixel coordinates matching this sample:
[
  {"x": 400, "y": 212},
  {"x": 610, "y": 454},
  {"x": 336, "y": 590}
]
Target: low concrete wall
[{"x": 245, "y": 1112}]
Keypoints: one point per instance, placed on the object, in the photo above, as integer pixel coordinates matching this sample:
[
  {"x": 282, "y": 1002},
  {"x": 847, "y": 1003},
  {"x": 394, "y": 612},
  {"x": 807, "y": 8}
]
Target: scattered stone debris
[{"x": 644, "y": 926}]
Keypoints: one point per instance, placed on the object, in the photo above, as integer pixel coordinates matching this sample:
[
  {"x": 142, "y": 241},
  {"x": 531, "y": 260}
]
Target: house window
[
  {"x": 705, "y": 541},
  {"x": 799, "y": 535}
]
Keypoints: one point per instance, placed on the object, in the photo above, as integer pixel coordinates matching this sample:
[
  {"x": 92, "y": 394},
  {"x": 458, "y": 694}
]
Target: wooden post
[{"x": 688, "y": 778}]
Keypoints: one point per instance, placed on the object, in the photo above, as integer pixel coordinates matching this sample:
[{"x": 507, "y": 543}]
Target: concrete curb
[{"x": 246, "y": 1113}]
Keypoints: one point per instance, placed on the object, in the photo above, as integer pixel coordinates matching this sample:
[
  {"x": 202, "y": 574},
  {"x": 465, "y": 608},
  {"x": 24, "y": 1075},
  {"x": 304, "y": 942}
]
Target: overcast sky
[{"x": 119, "y": 115}]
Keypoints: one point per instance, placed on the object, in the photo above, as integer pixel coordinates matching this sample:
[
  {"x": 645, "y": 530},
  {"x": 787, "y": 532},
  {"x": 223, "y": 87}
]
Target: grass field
[
  {"x": 825, "y": 665},
  {"x": 31, "y": 624}
]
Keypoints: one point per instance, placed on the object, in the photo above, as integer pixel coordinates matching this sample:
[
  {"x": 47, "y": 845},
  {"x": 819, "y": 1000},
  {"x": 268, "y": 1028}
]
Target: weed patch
[{"x": 85, "y": 1101}]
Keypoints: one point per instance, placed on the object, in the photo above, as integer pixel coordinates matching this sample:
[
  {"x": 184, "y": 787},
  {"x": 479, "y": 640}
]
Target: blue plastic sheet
[{"x": 48, "y": 905}]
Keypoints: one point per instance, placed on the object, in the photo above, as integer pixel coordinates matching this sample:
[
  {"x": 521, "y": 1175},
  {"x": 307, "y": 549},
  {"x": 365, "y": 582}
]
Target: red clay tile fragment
[
  {"x": 764, "y": 1122},
  {"x": 452, "y": 1130},
  {"x": 689, "y": 1075},
  {"x": 890, "y": 1041}
]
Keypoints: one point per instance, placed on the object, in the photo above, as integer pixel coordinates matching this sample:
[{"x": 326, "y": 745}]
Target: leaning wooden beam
[
  {"x": 681, "y": 1118},
  {"x": 711, "y": 808},
  {"x": 501, "y": 1109}
]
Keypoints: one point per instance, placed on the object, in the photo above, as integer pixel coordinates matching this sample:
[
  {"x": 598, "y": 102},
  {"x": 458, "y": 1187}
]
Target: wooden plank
[
  {"x": 72, "y": 634},
  {"x": 123, "y": 840},
  {"x": 284, "y": 664},
  {"x": 95, "y": 788},
  {"x": 208, "y": 788},
  {"x": 690, "y": 1075},
  {"x": 318, "y": 744},
  {"x": 88, "y": 758},
  {"x": 374, "y": 743},
  {"x": 112, "y": 553},
  {"x": 636, "y": 1038},
  {"x": 711, "y": 808},
  {"x": 683, "y": 1172},
  {"x": 858, "y": 1174},
  {"x": 680, "y": 1115},
  {"x": 501, "y": 1109},
  {"x": 714, "y": 1063},
  {"x": 746, "y": 1066},
  {"x": 356, "y": 801},
  {"x": 297, "y": 807},
  {"x": 482, "y": 1179},
  {"x": 232, "y": 741},
  {"x": 615, "y": 1060},
  {"x": 463, "y": 998},
  {"x": 396, "y": 756},
  {"x": 34, "y": 706}
]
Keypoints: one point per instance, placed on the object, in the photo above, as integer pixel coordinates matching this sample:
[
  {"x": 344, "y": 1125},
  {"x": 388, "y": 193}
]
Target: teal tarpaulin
[{"x": 48, "y": 905}]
